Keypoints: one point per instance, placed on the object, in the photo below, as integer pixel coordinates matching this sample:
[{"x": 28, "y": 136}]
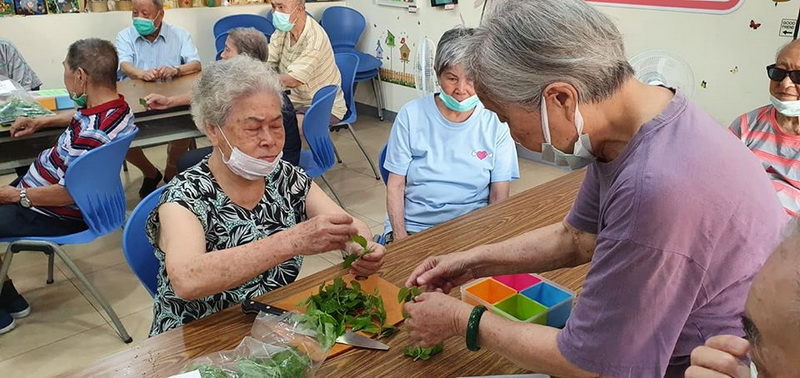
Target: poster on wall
[
  {"x": 702, "y": 6},
  {"x": 31, "y": 7},
  {"x": 397, "y": 3},
  {"x": 62, "y": 6}
]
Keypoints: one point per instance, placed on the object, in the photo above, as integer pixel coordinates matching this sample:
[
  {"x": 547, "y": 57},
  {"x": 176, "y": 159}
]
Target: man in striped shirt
[
  {"x": 772, "y": 132},
  {"x": 39, "y": 204},
  {"x": 301, "y": 52}
]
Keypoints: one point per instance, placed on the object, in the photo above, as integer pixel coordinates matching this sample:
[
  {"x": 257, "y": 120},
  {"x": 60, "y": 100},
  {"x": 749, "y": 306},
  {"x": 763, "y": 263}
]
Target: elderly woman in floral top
[{"x": 238, "y": 224}]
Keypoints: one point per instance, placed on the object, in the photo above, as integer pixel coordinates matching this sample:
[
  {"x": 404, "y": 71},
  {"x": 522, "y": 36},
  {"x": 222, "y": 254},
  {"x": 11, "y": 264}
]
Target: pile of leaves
[
  {"x": 338, "y": 306},
  {"x": 18, "y": 107},
  {"x": 408, "y": 294},
  {"x": 288, "y": 363}
]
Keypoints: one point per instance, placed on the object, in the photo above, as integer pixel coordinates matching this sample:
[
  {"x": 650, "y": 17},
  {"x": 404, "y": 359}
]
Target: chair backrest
[
  {"x": 259, "y": 22},
  {"x": 344, "y": 27},
  {"x": 381, "y": 160},
  {"x": 137, "y": 248},
  {"x": 219, "y": 44},
  {"x": 348, "y": 64},
  {"x": 316, "y": 128},
  {"x": 94, "y": 184}
]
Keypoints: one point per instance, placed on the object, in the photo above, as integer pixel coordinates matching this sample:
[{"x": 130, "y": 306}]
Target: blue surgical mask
[
  {"x": 281, "y": 21},
  {"x": 787, "y": 108},
  {"x": 581, "y": 155},
  {"x": 459, "y": 106},
  {"x": 144, "y": 26}
]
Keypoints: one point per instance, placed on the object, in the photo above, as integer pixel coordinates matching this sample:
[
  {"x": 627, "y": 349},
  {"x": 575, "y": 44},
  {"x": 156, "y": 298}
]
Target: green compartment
[{"x": 522, "y": 309}]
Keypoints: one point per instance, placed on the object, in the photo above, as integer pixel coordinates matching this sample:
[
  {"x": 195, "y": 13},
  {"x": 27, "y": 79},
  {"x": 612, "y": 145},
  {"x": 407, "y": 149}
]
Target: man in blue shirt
[{"x": 153, "y": 50}]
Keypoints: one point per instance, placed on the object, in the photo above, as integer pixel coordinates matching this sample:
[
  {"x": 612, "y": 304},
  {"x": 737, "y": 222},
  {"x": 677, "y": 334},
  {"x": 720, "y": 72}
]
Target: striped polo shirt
[
  {"x": 309, "y": 61},
  {"x": 778, "y": 151},
  {"x": 89, "y": 128}
]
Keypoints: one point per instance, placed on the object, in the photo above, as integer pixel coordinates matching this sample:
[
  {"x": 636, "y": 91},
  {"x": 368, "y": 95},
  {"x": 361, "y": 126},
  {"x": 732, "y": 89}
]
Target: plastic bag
[
  {"x": 16, "y": 102},
  {"x": 286, "y": 346}
]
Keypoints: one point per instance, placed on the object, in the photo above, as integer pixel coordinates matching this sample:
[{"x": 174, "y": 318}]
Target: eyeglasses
[{"x": 778, "y": 74}]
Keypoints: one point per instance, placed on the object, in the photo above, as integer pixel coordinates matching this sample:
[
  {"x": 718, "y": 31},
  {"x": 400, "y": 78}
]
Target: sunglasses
[{"x": 778, "y": 74}]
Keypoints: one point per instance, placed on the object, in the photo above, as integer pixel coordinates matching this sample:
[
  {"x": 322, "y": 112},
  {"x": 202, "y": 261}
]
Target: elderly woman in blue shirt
[{"x": 447, "y": 154}]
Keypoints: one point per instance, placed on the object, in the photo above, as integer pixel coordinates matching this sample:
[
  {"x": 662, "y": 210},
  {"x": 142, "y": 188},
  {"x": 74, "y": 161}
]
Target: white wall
[
  {"x": 43, "y": 40},
  {"x": 711, "y": 44}
]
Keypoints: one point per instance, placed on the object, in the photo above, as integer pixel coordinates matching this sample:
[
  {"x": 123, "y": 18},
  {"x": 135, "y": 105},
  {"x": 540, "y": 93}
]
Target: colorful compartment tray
[{"x": 521, "y": 297}]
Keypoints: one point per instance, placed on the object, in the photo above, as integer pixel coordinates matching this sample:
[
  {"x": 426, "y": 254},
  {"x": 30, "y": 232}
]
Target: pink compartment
[{"x": 518, "y": 282}]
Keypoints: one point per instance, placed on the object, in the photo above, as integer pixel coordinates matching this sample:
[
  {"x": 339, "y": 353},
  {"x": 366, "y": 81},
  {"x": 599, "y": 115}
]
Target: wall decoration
[
  {"x": 397, "y": 3},
  {"x": 703, "y": 6},
  {"x": 735, "y": 70},
  {"x": 6, "y": 7},
  {"x": 779, "y": 1},
  {"x": 389, "y": 74},
  {"x": 31, "y": 7},
  {"x": 754, "y": 25},
  {"x": 62, "y": 6},
  {"x": 379, "y": 50},
  {"x": 704, "y": 84}
]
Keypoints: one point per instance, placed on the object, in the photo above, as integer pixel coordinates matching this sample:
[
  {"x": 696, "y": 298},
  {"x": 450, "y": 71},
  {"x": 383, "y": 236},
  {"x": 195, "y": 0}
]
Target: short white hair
[{"x": 226, "y": 81}]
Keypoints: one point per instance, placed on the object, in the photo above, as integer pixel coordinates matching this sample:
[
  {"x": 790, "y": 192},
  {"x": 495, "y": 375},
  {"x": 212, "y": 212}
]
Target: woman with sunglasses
[{"x": 772, "y": 132}]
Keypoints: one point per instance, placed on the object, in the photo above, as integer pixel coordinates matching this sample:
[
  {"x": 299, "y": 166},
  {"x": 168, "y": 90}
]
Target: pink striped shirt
[{"x": 778, "y": 151}]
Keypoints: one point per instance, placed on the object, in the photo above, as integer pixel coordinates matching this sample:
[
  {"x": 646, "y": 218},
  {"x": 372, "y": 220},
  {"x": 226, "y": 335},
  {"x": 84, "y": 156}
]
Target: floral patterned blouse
[{"x": 228, "y": 225}]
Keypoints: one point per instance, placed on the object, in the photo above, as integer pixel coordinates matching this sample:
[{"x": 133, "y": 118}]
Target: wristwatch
[{"x": 23, "y": 199}]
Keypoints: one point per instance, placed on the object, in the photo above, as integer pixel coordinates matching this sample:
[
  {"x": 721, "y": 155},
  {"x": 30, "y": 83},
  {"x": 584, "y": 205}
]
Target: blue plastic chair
[
  {"x": 344, "y": 27},
  {"x": 321, "y": 157},
  {"x": 137, "y": 248},
  {"x": 259, "y": 22},
  {"x": 219, "y": 44},
  {"x": 347, "y": 63},
  {"x": 94, "y": 184},
  {"x": 381, "y": 160}
]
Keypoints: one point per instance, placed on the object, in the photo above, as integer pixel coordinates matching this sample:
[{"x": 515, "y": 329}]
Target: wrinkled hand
[
  {"x": 158, "y": 102},
  {"x": 322, "y": 233},
  {"x": 23, "y": 126},
  {"x": 720, "y": 357},
  {"x": 166, "y": 72},
  {"x": 149, "y": 75},
  {"x": 8, "y": 194},
  {"x": 433, "y": 318},
  {"x": 369, "y": 263},
  {"x": 443, "y": 273}
]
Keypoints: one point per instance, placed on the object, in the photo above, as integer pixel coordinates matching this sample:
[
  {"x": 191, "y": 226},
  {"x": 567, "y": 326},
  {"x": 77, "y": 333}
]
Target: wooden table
[
  {"x": 155, "y": 127},
  {"x": 165, "y": 354}
]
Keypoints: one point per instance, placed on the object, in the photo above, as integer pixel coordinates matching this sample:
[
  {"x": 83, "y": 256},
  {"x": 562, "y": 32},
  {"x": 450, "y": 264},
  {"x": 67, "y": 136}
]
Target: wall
[
  {"x": 43, "y": 40},
  {"x": 723, "y": 50}
]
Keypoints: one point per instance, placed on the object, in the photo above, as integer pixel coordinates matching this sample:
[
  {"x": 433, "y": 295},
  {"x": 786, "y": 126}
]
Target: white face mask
[
  {"x": 787, "y": 108},
  {"x": 581, "y": 155},
  {"x": 246, "y": 166}
]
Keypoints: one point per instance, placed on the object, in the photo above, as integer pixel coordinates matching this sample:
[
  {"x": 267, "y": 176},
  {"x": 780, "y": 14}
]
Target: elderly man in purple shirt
[{"x": 675, "y": 215}]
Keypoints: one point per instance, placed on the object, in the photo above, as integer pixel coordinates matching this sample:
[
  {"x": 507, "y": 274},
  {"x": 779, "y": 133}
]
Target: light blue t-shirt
[
  {"x": 448, "y": 166},
  {"x": 172, "y": 47}
]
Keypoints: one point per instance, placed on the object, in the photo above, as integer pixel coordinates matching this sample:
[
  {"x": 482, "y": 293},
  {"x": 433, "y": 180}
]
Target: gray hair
[
  {"x": 250, "y": 42},
  {"x": 524, "y": 46},
  {"x": 226, "y": 81},
  {"x": 97, "y": 57},
  {"x": 451, "y": 49}
]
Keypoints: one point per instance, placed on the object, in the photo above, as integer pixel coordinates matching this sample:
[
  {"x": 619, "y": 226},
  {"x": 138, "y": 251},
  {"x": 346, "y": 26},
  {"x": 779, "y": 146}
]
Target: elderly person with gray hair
[
  {"x": 447, "y": 154},
  {"x": 674, "y": 216},
  {"x": 238, "y": 224}
]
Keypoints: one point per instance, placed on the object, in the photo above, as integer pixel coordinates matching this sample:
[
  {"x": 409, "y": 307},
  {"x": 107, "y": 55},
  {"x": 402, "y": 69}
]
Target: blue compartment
[
  {"x": 558, "y": 301},
  {"x": 64, "y": 102}
]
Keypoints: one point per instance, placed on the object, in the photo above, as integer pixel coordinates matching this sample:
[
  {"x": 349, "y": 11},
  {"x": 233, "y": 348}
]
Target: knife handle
[{"x": 250, "y": 306}]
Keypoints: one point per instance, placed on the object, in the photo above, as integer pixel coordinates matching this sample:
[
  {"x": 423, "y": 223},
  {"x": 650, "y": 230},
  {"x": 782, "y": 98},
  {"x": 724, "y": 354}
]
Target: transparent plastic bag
[
  {"x": 285, "y": 346},
  {"x": 16, "y": 102}
]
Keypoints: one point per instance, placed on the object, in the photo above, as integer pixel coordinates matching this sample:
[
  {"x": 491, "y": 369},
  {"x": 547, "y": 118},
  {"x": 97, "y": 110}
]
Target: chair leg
[
  {"x": 123, "y": 334},
  {"x": 6, "y": 265},
  {"x": 336, "y": 196},
  {"x": 377, "y": 88},
  {"x": 366, "y": 155},
  {"x": 125, "y": 166},
  {"x": 336, "y": 152},
  {"x": 50, "y": 261}
]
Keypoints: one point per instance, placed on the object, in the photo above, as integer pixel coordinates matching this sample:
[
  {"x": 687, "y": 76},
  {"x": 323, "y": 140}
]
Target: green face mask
[{"x": 144, "y": 26}]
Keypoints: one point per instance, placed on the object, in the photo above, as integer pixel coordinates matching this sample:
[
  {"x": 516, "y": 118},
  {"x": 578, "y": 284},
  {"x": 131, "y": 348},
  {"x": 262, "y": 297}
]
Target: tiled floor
[{"x": 66, "y": 330}]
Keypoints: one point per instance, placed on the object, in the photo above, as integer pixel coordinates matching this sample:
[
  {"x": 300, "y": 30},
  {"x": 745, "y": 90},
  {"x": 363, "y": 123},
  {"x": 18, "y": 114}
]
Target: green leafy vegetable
[
  {"x": 143, "y": 102},
  {"x": 350, "y": 259},
  {"x": 209, "y": 371},
  {"x": 338, "y": 306},
  {"x": 17, "y": 107},
  {"x": 419, "y": 353},
  {"x": 286, "y": 363},
  {"x": 407, "y": 294}
]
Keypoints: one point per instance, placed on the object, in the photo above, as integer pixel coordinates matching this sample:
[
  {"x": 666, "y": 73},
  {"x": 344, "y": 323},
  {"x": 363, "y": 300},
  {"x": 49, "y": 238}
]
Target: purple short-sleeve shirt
[{"x": 684, "y": 218}]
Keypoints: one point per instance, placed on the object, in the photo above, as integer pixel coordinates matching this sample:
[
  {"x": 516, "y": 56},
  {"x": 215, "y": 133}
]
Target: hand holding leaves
[{"x": 350, "y": 259}]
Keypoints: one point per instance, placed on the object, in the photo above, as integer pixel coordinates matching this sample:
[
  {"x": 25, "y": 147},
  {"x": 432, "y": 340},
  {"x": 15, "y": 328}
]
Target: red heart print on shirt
[{"x": 481, "y": 154}]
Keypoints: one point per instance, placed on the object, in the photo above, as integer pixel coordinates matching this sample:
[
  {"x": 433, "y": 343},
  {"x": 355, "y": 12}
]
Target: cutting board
[{"x": 386, "y": 290}]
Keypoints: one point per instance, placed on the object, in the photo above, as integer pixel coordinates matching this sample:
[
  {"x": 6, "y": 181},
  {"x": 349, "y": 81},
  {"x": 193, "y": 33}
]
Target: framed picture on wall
[
  {"x": 441, "y": 3},
  {"x": 397, "y": 3},
  {"x": 6, "y": 7},
  {"x": 31, "y": 7},
  {"x": 62, "y": 6}
]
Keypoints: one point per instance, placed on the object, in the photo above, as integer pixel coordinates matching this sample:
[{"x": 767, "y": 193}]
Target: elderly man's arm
[
  {"x": 51, "y": 195},
  {"x": 196, "y": 274},
  {"x": 135, "y": 73},
  {"x": 25, "y": 126}
]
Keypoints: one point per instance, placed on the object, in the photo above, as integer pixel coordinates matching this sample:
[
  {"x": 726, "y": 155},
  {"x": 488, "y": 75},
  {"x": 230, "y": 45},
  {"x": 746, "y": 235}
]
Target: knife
[{"x": 250, "y": 306}]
